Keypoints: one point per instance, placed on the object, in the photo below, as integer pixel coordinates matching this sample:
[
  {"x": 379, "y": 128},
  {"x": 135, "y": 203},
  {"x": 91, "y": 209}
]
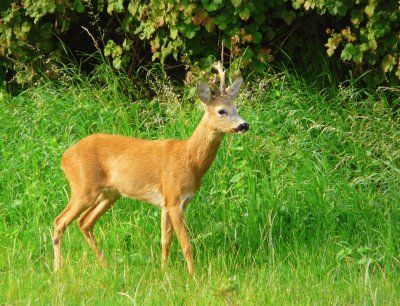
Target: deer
[{"x": 101, "y": 168}]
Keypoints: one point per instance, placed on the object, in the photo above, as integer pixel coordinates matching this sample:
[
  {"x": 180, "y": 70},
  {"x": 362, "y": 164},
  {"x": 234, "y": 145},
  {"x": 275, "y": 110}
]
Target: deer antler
[{"x": 218, "y": 66}]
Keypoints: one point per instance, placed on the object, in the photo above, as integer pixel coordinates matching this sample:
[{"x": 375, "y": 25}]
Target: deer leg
[
  {"x": 166, "y": 236},
  {"x": 75, "y": 207},
  {"x": 89, "y": 218},
  {"x": 176, "y": 215}
]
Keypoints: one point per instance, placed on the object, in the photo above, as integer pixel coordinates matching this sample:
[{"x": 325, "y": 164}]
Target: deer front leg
[
  {"x": 166, "y": 236},
  {"x": 176, "y": 215}
]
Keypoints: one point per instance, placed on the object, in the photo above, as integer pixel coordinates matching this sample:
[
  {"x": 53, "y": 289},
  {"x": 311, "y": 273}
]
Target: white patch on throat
[{"x": 185, "y": 200}]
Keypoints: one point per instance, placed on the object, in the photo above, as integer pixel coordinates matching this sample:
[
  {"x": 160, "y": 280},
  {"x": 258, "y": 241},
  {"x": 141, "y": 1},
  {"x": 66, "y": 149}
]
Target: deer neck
[{"x": 203, "y": 146}]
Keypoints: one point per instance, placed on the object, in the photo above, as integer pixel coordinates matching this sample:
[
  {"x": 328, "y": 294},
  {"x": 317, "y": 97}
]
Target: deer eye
[{"x": 222, "y": 112}]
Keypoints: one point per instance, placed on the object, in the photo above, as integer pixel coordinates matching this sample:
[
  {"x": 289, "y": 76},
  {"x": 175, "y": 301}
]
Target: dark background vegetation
[{"x": 360, "y": 38}]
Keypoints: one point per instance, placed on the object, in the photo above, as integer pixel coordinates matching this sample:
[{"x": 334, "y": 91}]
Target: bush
[
  {"x": 368, "y": 36},
  {"x": 365, "y": 32}
]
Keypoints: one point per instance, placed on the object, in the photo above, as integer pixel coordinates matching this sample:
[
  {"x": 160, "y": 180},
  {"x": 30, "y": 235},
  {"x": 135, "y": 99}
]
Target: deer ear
[
  {"x": 204, "y": 92},
  {"x": 234, "y": 89}
]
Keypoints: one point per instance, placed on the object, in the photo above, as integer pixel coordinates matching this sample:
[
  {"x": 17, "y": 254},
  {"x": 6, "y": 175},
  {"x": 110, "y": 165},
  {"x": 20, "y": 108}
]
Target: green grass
[{"x": 303, "y": 209}]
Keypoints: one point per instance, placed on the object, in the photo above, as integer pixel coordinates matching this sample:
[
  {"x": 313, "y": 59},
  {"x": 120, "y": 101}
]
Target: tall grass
[{"x": 301, "y": 210}]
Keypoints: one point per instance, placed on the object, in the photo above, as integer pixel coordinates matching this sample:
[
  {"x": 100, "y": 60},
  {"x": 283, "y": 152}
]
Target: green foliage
[
  {"x": 27, "y": 39},
  {"x": 368, "y": 34},
  {"x": 188, "y": 31}
]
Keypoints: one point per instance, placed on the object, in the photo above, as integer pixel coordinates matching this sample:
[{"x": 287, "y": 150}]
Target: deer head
[{"x": 221, "y": 114}]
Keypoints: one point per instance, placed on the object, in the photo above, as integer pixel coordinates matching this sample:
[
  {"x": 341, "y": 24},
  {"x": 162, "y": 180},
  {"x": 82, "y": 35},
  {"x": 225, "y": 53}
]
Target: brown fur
[{"x": 100, "y": 168}]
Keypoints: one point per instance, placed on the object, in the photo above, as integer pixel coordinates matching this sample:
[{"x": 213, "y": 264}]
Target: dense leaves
[{"x": 363, "y": 32}]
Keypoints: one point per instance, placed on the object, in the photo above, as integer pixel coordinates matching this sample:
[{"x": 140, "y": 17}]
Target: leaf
[
  {"x": 248, "y": 54},
  {"x": 364, "y": 47},
  {"x": 173, "y": 33},
  {"x": 159, "y": 22},
  {"x": 78, "y": 6},
  {"x": 155, "y": 56},
  {"x": 373, "y": 44},
  {"x": 332, "y": 44},
  {"x": 349, "y": 51},
  {"x": 191, "y": 30},
  {"x": 370, "y": 9},
  {"x": 156, "y": 4},
  {"x": 188, "y": 10},
  {"x": 126, "y": 45},
  {"x": 236, "y": 178},
  {"x": 199, "y": 17},
  {"x": 348, "y": 35},
  {"x": 117, "y": 62},
  {"x": 109, "y": 47},
  {"x": 115, "y": 5},
  {"x": 357, "y": 58},
  {"x": 245, "y": 14},
  {"x": 387, "y": 63},
  {"x": 356, "y": 17},
  {"x": 222, "y": 26},
  {"x": 211, "y": 5},
  {"x": 116, "y": 52},
  {"x": 26, "y": 27},
  {"x": 156, "y": 42},
  {"x": 343, "y": 253},
  {"x": 110, "y": 8},
  {"x": 209, "y": 24},
  {"x": 236, "y": 3},
  {"x": 257, "y": 37},
  {"x": 247, "y": 38},
  {"x": 133, "y": 7},
  {"x": 297, "y": 4},
  {"x": 222, "y": 21}
]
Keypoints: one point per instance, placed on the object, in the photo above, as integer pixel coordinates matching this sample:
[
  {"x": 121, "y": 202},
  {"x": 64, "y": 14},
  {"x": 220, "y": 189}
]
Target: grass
[{"x": 303, "y": 209}]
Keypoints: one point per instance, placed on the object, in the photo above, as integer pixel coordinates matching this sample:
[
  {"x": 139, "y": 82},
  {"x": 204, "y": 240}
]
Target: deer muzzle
[{"x": 242, "y": 128}]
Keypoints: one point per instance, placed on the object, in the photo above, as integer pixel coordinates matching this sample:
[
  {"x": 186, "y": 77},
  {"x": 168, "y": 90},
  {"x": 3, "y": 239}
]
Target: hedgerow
[{"x": 364, "y": 33}]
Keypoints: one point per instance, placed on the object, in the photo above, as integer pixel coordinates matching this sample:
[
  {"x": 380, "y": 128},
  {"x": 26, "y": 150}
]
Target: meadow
[{"x": 303, "y": 209}]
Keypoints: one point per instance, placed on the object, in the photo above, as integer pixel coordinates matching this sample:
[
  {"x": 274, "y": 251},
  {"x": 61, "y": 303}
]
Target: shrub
[
  {"x": 365, "y": 31},
  {"x": 368, "y": 36}
]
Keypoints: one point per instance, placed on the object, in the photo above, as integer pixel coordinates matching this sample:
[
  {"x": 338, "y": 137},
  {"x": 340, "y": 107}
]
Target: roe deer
[{"x": 101, "y": 168}]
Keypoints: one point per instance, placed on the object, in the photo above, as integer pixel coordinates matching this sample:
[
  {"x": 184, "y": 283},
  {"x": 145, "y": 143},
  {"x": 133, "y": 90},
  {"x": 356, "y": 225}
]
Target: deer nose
[{"x": 243, "y": 127}]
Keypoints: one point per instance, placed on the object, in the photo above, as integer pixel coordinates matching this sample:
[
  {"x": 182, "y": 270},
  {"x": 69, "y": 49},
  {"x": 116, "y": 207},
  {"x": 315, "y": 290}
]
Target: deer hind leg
[
  {"x": 89, "y": 218},
  {"x": 176, "y": 215},
  {"x": 74, "y": 208},
  {"x": 166, "y": 236}
]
